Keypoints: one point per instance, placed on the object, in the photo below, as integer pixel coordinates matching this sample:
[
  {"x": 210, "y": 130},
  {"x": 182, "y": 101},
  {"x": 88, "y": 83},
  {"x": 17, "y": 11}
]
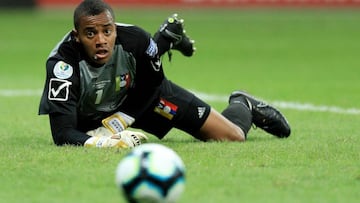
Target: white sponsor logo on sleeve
[
  {"x": 152, "y": 49},
  {"x": 156, "y": 65},
  {"x": 58, "y": 89}
]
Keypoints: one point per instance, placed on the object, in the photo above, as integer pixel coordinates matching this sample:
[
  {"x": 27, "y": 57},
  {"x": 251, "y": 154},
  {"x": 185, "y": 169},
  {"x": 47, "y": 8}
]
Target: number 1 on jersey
[{"x": 99, "y": 94}]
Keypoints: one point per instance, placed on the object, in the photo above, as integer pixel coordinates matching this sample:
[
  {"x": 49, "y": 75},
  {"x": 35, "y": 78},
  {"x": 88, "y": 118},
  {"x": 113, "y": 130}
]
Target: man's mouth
[{"x": 101, "y": 54}]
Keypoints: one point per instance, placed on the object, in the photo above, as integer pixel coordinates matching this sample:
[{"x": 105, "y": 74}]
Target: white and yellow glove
[
  {"x": 118, "y": 122},
  {"x": 103, "y": 137}
]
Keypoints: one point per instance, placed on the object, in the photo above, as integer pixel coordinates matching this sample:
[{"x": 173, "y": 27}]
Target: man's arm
[
  {"x": 64, "y": 132},
  {"x": 63, "y": 129}
]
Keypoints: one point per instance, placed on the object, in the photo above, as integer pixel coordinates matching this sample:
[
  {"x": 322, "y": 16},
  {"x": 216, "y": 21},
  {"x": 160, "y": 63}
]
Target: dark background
[{"x": 16, "y": 3}]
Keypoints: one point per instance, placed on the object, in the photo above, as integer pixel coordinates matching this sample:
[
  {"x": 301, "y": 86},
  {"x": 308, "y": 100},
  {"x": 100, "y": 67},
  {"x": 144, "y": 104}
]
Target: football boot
[
  {"x": 173, "y": 29},
  {"x": 265, "y": 116}
]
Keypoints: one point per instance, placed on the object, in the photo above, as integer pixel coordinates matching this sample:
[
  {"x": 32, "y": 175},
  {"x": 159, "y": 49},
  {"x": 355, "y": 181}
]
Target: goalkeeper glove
[
  {"x": 102, "y": 137},
  {"x": 118, "y": 122}
]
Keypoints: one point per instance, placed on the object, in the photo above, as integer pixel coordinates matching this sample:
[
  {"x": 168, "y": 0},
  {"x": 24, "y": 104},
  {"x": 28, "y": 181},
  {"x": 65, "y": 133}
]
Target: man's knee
[{"x": 219, "y": 128}]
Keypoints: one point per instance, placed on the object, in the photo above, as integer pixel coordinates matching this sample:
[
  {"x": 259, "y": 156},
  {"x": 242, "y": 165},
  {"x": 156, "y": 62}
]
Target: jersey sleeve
[
  {"x": 63, "y": 130},
  {"x": 61, "y": 88},
  {"x": 60, "y": 96},
  {"x": 149, "y": 71}
]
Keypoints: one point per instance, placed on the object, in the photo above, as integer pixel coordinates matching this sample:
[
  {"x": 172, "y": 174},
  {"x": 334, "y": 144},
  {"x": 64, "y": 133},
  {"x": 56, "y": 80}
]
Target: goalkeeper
[{"x": 104, "y": 77}]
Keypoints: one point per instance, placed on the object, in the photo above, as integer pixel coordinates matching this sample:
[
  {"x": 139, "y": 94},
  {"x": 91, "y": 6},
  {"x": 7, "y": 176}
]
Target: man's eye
[
  {"x": 108, "y": 32},
  {"x": 90, "y": 34}
]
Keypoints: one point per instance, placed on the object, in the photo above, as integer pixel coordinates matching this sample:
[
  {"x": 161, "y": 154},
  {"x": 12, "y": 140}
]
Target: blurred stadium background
[{"x": 189, "y": 3}]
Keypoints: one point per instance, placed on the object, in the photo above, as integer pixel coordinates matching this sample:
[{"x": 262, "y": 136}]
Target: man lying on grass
[{"x": 104, "y": 77}]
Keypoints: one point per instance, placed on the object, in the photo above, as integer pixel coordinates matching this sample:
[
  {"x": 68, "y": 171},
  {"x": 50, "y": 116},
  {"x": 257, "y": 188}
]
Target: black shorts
[{"x": 175, "y": 108}]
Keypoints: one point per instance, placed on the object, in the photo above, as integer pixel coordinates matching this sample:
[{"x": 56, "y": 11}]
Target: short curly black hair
[{"x": 91, "y": 8}]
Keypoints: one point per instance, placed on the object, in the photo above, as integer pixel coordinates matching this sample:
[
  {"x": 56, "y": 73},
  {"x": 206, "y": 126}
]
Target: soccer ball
[{"x": 151, "y": 173}]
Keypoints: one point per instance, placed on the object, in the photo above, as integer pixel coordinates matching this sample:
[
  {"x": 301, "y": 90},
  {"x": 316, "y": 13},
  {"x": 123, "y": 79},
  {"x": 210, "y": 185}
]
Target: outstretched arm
[{"x": 63, "y": 130}]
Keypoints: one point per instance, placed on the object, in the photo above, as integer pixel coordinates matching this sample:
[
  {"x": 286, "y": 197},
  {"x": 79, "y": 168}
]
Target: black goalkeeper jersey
[{"x": 82, "y": 92}]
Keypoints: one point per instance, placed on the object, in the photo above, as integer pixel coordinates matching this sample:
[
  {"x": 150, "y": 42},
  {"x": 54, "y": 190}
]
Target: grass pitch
[{"x": 291, "y": 56}]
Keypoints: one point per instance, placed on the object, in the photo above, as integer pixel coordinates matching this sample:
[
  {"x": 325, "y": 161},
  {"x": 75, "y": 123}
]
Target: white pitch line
[
  {"x": 215, "y": 98},
  {"x": 315, "y": 108},
  {"x": 287, "y": 105},
  {"x": 20, "y": 93}
]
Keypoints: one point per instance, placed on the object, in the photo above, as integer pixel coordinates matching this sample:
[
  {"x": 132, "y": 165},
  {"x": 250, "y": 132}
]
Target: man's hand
[
  {"x": 104, "y": 141},
  {"x": 118, "y": 122},
  {"x": 132, "y": 138},
  {"x": 102, "y": 137}
]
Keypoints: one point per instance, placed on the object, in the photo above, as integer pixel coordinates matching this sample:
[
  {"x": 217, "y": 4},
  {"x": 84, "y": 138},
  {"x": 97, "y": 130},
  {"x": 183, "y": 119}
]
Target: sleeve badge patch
[
  {"x": 58, "y": 89},
  {"x": 152, "y": 50},
  {"x": 63, "y": 70}
]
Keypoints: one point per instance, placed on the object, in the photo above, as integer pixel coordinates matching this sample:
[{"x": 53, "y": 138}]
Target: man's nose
[{"x": 101, "y": 39}]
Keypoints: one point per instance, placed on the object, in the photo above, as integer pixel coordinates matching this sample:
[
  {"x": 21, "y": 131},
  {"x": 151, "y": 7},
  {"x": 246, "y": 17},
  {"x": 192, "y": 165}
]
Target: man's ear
[{"x": 76, "y": 35}]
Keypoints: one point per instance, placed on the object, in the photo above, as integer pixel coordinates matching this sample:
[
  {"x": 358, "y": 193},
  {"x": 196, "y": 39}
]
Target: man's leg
[
  {"x": 239, "y": 113},
  {"x": 171, "y": 35},
  {"x": 219, "y": 128},
  {"x": 264, "y": 116}
]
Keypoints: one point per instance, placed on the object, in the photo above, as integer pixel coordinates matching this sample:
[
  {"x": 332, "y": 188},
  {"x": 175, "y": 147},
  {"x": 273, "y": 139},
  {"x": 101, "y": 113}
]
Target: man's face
[{"x": 97, "y": 35}]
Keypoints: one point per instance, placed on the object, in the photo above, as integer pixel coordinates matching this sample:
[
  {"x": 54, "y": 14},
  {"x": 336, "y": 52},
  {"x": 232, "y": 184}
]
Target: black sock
[{"x": 240, "y": 115}]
